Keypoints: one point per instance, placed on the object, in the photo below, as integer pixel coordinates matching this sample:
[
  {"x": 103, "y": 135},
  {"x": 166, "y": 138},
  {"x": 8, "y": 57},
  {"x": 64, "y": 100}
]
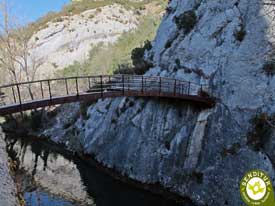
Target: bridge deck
[{"x": 41, "y": 93}]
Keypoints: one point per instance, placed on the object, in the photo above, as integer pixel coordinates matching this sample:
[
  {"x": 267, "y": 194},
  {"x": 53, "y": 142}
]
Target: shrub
[
  {"x": 124, "y": 69},
  {"x": 137, "y": 56},
  {"x": 261, "y": 130},
  {"x": 269, "y": 68},
  {"x": 58, "y": 19},
  {"x": 232, "y": 150},
  {"x": 186, "y": 21},
  {"x": 177, "y": 62},
  {"x": 239, "y": 35},
  {"x": 168, "y": 44}
]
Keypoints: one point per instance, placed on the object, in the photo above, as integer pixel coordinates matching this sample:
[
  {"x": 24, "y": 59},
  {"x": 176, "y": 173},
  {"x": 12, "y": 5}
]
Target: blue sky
[{"x": 31, "y": 10}]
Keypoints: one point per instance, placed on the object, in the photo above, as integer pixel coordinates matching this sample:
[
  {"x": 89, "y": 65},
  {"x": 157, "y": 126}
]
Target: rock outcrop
[
  {"x": 7, "y": 185},
  {"x": 198, "y": 154}
]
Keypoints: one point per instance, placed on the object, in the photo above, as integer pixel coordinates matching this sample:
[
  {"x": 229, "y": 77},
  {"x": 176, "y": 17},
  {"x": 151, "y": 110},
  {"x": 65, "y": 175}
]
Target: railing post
[
  {"x": 175, "y": 87},
  {"x": 109, "y": 83},
  {"x": 123, "y": 84},
  {"x": 66, "y": 85},
  {"x": 188, "y": 88},
  {"x": 89, "y": 83},
  {"x": 101, "y": 86},
  {"x": 159, "y": 85},
  {"x": 49, "y": 87},
  {"x": 41, "y": 88},
  {"x": 128, "y": 82},
  {"x": 142, "y": 84},
  {"x": 19, "y": 95},
  {"x": 13, "y": 92},
  {"x": 76, "y": 85}
]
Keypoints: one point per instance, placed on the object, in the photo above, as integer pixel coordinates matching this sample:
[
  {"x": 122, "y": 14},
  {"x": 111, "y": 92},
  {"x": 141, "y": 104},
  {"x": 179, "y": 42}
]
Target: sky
[{"x": 31, "y": 10}]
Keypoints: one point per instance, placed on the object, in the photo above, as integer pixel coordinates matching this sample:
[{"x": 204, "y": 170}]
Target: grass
[{"x": 106, "y": 58}]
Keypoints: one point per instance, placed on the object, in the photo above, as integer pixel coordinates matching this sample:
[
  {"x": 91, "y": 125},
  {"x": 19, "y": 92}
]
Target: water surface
[{"x": 55, "y": 177}]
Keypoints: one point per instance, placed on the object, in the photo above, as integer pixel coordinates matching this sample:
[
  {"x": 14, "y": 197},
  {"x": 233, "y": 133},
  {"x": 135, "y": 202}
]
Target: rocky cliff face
[
  {"x": 200, "y": 154},
  {"x": 70, "y": 38},
  {"x": 8, "y": 193}
]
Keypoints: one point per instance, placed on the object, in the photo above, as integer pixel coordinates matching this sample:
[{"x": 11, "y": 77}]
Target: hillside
[{"x": 77, "y": 38}]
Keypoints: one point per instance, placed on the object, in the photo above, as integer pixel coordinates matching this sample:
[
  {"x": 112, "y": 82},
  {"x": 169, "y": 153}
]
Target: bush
[
  {"x": 124, "y": 69},
  {"x": 261, "y": 130},
  {"x": 168, "y": 44},
  {"x": 269, "y": 68},
  {"x": 137, "y": 56},
  {"x": 58, "y": 19},
  {"x": 239, "y": 35},
  {"x": 178, "y": 63},
  {"x": 186, "y": 21}
]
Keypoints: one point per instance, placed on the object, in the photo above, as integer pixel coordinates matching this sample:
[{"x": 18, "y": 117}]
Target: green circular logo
[{"x": 256, "y": 188}]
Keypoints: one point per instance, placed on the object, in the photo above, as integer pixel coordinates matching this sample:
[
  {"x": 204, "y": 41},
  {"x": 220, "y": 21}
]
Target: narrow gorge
[{"x": 199, "y": 154}]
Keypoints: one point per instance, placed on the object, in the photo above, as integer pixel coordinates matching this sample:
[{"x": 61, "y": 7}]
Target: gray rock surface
[
  {"x": 165, "y": 141},
  {"x": 7, "y": 185}
]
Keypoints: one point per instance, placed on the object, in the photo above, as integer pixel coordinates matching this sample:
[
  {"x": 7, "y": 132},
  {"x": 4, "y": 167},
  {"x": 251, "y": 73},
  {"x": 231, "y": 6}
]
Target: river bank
[{"x": 8, "y": 194}]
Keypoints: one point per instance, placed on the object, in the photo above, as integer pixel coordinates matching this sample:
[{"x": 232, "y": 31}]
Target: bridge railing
[{"x": 20, "y": 93}]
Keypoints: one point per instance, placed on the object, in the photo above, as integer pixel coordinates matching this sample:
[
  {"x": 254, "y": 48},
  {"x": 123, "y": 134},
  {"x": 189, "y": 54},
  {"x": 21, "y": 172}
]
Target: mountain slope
[{"x": 65, "y": 40}]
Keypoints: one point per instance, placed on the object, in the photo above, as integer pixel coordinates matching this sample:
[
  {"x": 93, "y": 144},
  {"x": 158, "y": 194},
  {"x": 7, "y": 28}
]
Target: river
[{"x": 50, "y": 176}]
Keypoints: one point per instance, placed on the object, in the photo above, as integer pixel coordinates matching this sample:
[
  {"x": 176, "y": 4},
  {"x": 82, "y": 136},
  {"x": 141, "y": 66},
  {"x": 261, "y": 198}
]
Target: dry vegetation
[{"x": 79, "y": 7}]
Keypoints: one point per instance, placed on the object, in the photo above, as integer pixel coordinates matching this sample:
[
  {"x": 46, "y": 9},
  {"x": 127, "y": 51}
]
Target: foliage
[
  {"x": 232, "y": 150},
  {"x": 186, "y": 21},
  {"x": 137, "y": 56},
  {"x": 269, "y": 68},
  {"x": 178, "y": 63},
  {"x": 124, "y": 69},
  {"x": 261, "y": 130},
  {"x": 239, "y": 35}
]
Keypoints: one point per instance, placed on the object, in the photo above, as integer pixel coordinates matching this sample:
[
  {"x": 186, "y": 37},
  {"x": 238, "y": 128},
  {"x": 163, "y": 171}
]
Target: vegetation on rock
[
  {"x": 240, "y": 35},
  {"x": 262, "y": 125},
  {"x": 269, "y": 68},
  {"x": 186, "y": 21},
  {"x": 141, "y": 65}
]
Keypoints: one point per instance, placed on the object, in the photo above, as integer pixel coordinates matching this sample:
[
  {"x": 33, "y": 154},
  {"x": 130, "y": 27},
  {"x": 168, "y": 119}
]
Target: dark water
[{"x": 54, "y": 177}]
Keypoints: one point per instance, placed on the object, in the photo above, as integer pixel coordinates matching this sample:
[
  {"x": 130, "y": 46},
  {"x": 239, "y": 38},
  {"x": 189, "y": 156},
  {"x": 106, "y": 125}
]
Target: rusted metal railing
[{"x": 40, "y": 93}]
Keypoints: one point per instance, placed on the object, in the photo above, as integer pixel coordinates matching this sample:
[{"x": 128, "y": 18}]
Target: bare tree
[{"x": 15, "y": 47}]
